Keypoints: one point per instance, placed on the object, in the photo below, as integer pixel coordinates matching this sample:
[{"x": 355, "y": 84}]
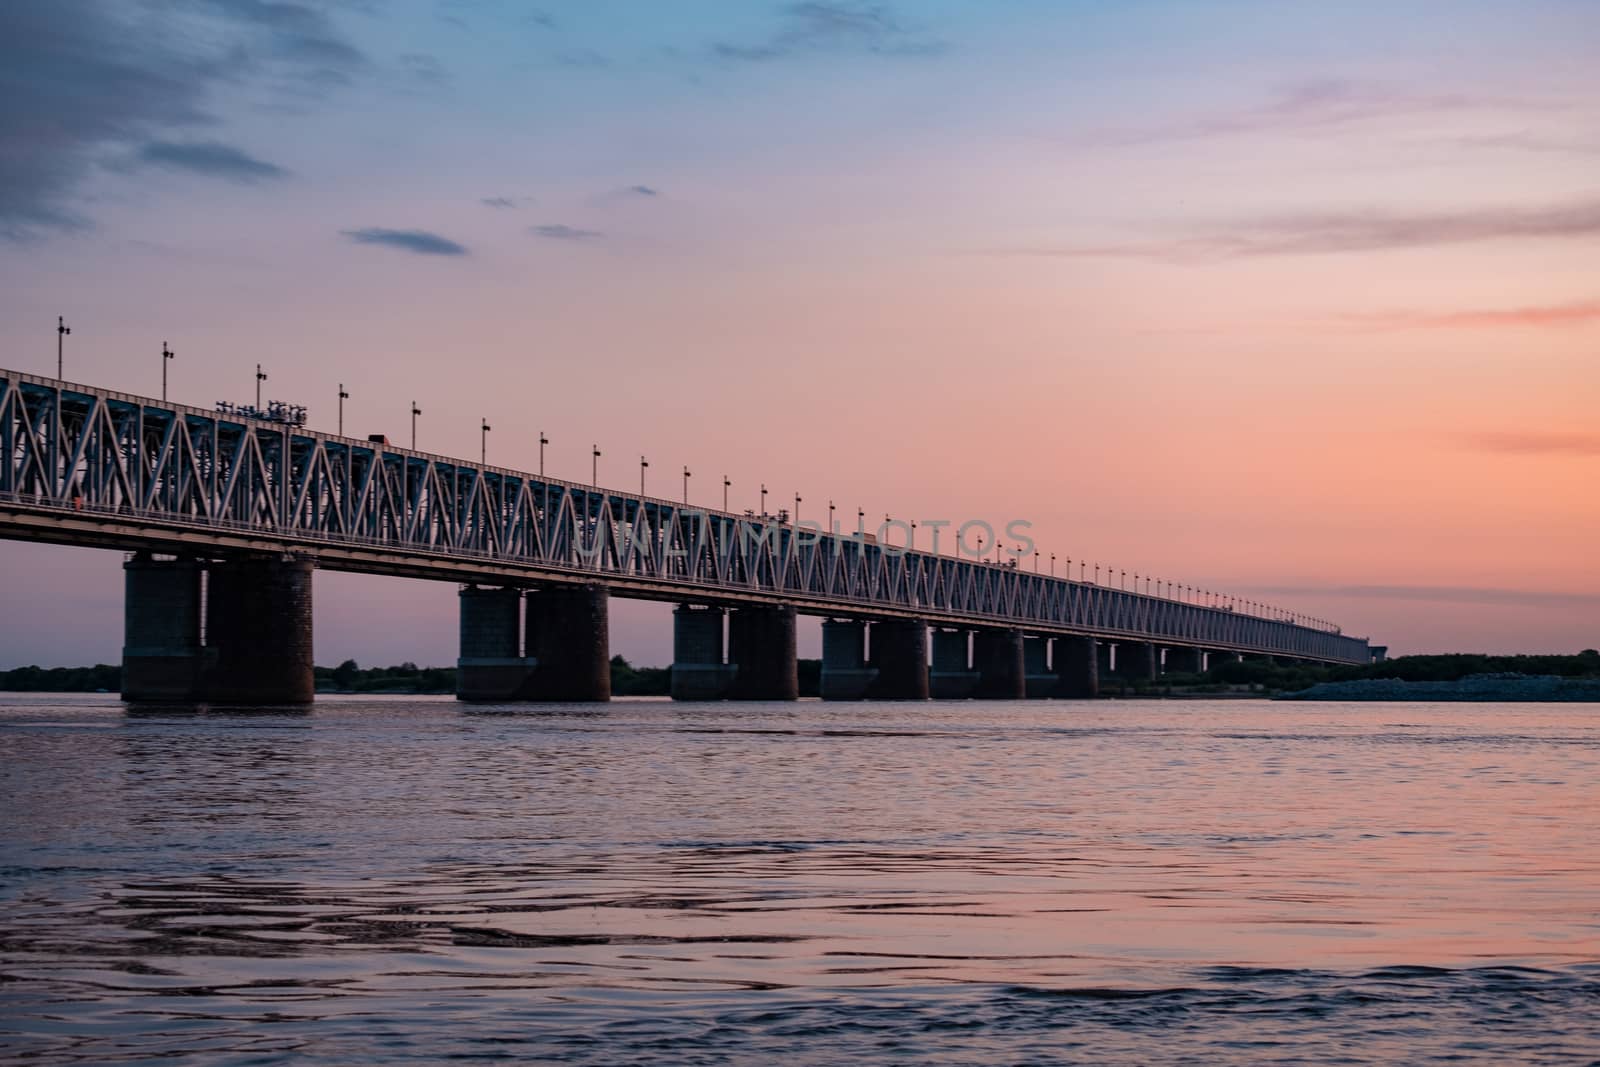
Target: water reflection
[{"x": 726, "y": 884}]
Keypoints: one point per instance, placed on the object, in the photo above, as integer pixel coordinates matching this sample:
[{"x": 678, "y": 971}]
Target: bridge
[{"x": 228, "y": 512}]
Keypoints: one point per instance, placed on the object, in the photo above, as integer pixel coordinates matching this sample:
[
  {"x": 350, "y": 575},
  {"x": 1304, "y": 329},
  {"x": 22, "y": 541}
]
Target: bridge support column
[
  {"x": 1039, "y": 679},
  {"x": 761, "y": 645},
  {"x": 161, "y": 652},
  {"x": 258, "y": 632},
  {"x": 1077, "y": 667},
  {"x": 845, "y": 674},
  {"x": 1217, "y": 659},
  {"x": 491, "y": 666},
  {"x": 569, "y": 641},
  {"x": 900, "y": 652},
  {"x": 951, "y": 678},
  {"x": 1103, "y": 655},
  {"x": 698, "y": 672},
  {"x": 997, "y": 654},
  {"x": 1185, "y": 661},
  {"x": 1136, "y": 661}
]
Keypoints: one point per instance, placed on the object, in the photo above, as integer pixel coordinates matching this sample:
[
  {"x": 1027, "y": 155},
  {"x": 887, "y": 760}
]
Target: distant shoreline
[{"x": 1476, "y": 688}]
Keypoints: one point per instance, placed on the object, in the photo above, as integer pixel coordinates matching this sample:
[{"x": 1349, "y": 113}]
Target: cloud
[
  {"x": 1315, "y": 105},
  {"x": 1321, "y": 234},
  {"x": 560, "y": 232},
  {"x": 642, "y": 190},
  {"x": 85, "y": 80},
  {"x": 1479, "y": 318},
  {"x": 834, "y": 26},
  {"x": 425, "y": 69},
  {"x": 503, "y": 203},
  {"x": 211, "y": 159},
  {"x": 1535, "y": 442},
  {"x": 1442, "y": 594},
  {"x": 419, "y": 241}
]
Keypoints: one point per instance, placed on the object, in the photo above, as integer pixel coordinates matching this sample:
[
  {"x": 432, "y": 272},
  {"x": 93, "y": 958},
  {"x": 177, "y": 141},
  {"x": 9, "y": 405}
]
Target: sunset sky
[{"x": 1295, "y": 301}]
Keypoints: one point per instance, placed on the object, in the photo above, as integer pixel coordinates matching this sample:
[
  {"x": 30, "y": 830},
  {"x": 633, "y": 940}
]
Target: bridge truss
[{"x": 76, "y": 458}]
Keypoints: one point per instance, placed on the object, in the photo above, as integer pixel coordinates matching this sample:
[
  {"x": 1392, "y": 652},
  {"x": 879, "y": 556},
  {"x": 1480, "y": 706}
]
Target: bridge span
[{"x": 228, "y": 513}]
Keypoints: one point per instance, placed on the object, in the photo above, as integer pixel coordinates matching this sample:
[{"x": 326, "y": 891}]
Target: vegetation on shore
[{"x": 627, "y": 680}]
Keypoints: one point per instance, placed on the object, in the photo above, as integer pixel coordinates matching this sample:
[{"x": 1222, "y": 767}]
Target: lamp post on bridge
[
  {"x": 343, "y": 396},
  {"x": 543, "y": 440},
  {"x": 594, "y": 467},
  {"x": 643, "y": 466},
  {"x": 483, "y": 443},
  {"x": 763, "y": 500},
  {"x": 830, "y": 519},
  {"x": 166, "y": 357},
  {"x": 62, "y": 329},
  {"x": 685, "y": 486},
  {"x": 725, "y": 484},
  {"x": 260, "y": 377},
  {"x": 415, "y": 411},
  {"x": 797, "y": 509}
]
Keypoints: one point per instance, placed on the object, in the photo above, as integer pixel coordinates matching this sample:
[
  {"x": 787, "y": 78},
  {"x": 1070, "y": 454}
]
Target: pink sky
[{"x": 1309, "y": 312}]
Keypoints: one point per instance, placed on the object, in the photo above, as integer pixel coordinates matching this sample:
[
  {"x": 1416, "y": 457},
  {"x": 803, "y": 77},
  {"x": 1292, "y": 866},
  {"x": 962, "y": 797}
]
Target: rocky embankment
[{"x": 1476, "y": 687}]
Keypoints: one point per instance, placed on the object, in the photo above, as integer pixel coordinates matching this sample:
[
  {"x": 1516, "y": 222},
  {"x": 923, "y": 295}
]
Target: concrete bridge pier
[
  {"x": 161, "y": 650},
  {"x": 1185, "y": 661},
  {"x": 951, "y": 678},
  {"x": 569, "y": 644},
  {"x": 761, "y": 646},
  {"x": 698, "y": 670},
  {"x": 1217, "y": 659},
  {"x": 1039, "y": 679},
  {"x": 491, "y": 665},
  {"x": 1077, "y": 667},
  {"x": 1103, "y": 658},
  {"x": 1136, "y": 661},
  {"x": 900, "y": 654},
  {"x": 997, "y": 654},
  {"x": 258, "y": 632},
  {"x": 845, "y": 674}
]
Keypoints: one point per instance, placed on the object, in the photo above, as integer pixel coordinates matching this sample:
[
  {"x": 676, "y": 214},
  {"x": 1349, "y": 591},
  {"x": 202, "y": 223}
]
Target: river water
[{"x": 407, "y": 880}]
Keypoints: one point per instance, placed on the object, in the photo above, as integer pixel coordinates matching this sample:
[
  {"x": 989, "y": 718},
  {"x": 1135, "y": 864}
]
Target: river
[{"x": 397, "y": 880}]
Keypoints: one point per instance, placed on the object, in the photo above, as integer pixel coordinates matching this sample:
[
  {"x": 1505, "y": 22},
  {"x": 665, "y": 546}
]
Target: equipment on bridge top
[{"x": 275, "y": 411}]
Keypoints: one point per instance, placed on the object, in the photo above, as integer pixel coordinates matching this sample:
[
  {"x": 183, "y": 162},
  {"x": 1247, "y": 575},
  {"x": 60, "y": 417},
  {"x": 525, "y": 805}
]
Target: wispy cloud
[
  {"x": 1441, "y": 594},
  {"x": 1315, "y": 105},
  {"x": 642, "y": 190},
  {"x": 101, "y": 77},
  {"x": 419, "y": 241},
  {"x": 1321, "y": 234},
  {"x": 1535, "y": 442},
  {"x": 561, "y": 232},
  {"x": 834, "y": 26},
  {"x": 210, "y": 159},
  {"x": 1559, "y": 315}
]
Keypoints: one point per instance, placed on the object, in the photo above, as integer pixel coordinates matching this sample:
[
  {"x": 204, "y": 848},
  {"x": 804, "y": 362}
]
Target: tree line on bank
[{"x": 628, "y": 680}]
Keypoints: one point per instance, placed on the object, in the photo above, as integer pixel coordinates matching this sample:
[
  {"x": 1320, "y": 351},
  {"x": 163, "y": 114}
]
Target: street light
[
  {"x": 483, "y": 444},
  {"x": 594, "y": 468},
  {"x": 260, "y": 377},
  {"x": 643, "y": 463},
  {"x": 725, "y": 484},
  {"x": 166, "y": 357},
  {"x": 797, "y": 509},
  {"x": 686, "y": 486},
  {"x": 1053, "y": 565},
  {"x": 62, "y": 329},
  {"x": 543, "y": 440},
  {"x": 343, "y": 396},
  {"x": 415, "y": 411},
  {"x": 763, "y": 500}
]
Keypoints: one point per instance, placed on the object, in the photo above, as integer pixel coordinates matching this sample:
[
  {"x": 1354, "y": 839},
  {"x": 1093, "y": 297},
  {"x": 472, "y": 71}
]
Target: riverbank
[{"x": 1477, "y": 688}]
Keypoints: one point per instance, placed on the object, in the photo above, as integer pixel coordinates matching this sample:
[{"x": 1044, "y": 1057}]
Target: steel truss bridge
[{"x": 87, "y": 466}]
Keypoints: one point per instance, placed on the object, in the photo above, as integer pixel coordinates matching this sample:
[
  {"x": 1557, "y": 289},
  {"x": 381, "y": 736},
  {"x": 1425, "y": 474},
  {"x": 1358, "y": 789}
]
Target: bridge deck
[{"x": 89, "y": 466}]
